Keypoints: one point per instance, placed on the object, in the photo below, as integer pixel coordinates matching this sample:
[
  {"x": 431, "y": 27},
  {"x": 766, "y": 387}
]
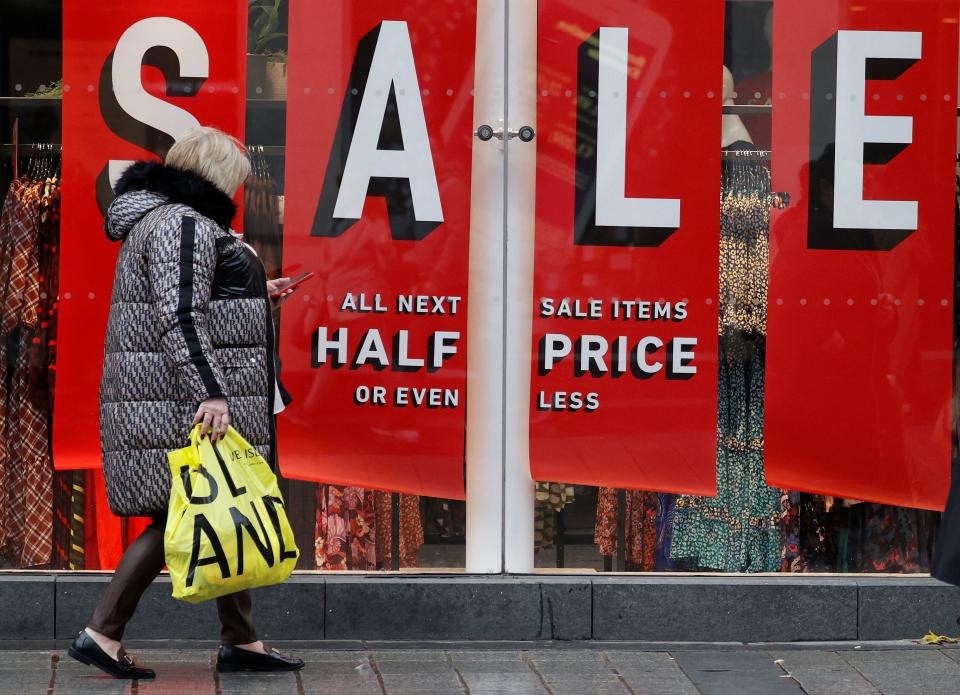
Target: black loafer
[
  {"x": 88, "y": 652},
  {"x": 232, "y": 658}
]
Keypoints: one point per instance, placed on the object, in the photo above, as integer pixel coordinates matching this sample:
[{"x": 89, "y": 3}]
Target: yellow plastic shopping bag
[{"x": 227, "y": 529}]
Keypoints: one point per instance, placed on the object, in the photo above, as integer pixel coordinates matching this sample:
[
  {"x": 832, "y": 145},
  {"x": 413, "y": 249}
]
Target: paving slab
[
  {"x": 354, "y": 667},
  {"x": 744, "y": 661},
  {"x": 73, "y": 677},
  {"x": 910, "y": 679},
  {"x": 204, "y": 657},
  {"x": 177, "y": 679},
  {"x": 484, "y": 655},
  {"x": 12, "y": 662},
  {"x": 562, "y": 655},
  {"x": 641, "y": 661},
  {"x": 832, "y": 680},
  {"x": 745, "y": 673},
  {"x": 409, "y": 667},
  {"x": 570, "y": 667},
  {"x": 502, "y": 681},
  {"x": 909, "y": 657},
  {"x": 256, "y": 683},
  {"x": 661, "y": 684},
  {"x": 728, "y": 682},
  {"x": 578, "y": 686},
  {"x": 428, "y": 683},
  {"x": 313, "y": 683},
  {"x": 480, "y": 666},
  {"x": 409, "y": 654},
  {"x": 797, "y": 658},
  {"x": 26, "y": 682},
  {"x": 417, "y": 690}
]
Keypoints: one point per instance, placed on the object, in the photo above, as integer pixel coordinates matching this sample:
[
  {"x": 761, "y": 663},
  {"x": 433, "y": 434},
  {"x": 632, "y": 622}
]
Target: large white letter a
[{"x": 382, "y": 147}]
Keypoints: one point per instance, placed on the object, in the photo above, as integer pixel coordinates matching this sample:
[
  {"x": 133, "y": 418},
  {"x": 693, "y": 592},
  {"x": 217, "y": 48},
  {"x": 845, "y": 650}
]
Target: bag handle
[
  {"x": 196, "y": 465},
  {"x": 195, "y": 441}
]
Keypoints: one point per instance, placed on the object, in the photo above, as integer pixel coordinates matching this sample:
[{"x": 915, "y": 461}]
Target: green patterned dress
[{"x": 740, "y": 529}]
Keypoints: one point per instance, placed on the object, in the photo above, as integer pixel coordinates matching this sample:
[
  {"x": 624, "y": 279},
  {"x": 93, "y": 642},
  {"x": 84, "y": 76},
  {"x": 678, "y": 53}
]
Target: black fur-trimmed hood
[{"x": 145, "y": 186}]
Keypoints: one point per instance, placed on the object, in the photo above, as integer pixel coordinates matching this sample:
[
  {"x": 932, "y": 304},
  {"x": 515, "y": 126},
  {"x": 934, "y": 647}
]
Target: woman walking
[{"x": 189, "y": 340}]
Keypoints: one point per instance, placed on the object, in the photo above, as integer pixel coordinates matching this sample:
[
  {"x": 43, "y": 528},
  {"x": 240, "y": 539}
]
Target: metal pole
[
  {"x": 621, "y": 529},
  {"x": 485, "y": 325},
  {"x": 395, "y": 531},
  {"x": 520, "y": 199},
  {"x": 561, "y": 541}
]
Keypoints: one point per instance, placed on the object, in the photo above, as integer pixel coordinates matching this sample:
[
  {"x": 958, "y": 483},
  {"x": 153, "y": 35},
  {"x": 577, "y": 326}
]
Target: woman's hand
[
  {"x": 277, "y": 290},
  {"x": 213, "y": 415}
]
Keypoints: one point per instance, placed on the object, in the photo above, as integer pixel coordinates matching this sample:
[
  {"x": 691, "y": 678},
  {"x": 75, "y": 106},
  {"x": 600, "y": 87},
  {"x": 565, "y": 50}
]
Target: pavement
[{"x": 569, "y": 669}]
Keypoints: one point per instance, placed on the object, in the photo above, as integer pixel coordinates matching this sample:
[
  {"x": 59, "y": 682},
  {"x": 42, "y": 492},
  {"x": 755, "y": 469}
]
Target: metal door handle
[
  {"x": 526, "y": 133},
  {"x": 486, "y": 132}
]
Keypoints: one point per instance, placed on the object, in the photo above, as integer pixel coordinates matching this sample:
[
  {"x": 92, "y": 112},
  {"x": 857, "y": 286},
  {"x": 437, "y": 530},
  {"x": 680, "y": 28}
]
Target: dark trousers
[{"x": 140, "y": 564}]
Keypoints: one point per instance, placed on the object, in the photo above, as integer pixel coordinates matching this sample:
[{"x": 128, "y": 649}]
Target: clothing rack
[
  {"x": 740, "y": 155},
  {"x": 778, "y": 199},
  {"x": 30, "y": 147},
  {"x": 748, "y": 109},
  {"x": 269, "y": 150}
]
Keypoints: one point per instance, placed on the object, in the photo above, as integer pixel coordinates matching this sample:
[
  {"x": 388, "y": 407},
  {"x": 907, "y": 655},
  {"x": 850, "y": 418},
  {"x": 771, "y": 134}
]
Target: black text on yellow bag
[{"x": 227, "y": 529}]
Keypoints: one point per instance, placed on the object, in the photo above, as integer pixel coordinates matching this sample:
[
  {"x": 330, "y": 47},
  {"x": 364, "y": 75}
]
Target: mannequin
[
  {"x": 757, "y": 89},
  {"x": 732, "y": 129}
]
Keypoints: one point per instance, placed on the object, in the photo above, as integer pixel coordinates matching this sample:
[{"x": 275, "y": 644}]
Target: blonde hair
[{"x": 213, "y": 155}]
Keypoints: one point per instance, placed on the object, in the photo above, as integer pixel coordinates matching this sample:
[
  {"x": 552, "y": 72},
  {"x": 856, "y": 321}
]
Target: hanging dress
[{"x": 740, "y": 529}]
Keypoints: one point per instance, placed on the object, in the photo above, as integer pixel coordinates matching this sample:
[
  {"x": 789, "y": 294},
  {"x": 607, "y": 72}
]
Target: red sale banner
[
  {"x": 861, "y": 264},
  {"x": 136, "y": 75},
  {"x": 624, "y": 388},
  {"x": 377, "y": 205}
]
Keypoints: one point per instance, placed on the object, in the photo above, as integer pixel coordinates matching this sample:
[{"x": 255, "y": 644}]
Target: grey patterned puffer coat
[{"x": 189, "y": 320}]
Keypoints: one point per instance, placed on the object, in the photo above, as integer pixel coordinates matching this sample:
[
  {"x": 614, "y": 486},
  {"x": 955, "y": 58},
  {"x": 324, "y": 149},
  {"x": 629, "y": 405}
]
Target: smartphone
[{"x": 296, "y": 281}]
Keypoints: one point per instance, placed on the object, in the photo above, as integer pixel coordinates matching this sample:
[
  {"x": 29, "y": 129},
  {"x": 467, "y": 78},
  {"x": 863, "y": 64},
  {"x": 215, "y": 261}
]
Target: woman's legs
[
  {"x": 140, "y": 564},
  {"x": 235, "y": 620},
  {"x": 240, "y": 650},
  {"x": 142, "y": 561}
]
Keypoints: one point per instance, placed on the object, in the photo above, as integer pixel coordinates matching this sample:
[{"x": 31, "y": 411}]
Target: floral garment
[
  {"x": 411, "y": 529},
  {"x": 848, "y": 536},
  {"x": 345, "y": 538},
  {"x": 883, "y": 538},
  {"x": 354, "y": 529},
  {"x": 665, "y": 521},
  {"x": 815, "y": 540},
  {"x": 740, "y": 529},
  {"x": 642, "y": 511}
]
